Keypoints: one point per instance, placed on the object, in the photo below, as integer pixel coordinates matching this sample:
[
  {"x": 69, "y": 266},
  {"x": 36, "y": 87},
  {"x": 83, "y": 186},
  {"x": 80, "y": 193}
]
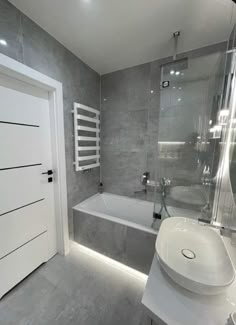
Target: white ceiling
[{"x": 110, "y": 35}]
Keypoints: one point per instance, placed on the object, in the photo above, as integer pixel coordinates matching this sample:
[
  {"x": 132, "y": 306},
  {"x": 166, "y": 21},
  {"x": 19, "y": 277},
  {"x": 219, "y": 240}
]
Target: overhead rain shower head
[{"x": 177, "y": 65}]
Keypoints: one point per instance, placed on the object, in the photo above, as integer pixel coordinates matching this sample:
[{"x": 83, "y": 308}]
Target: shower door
[
  {"x": 190, "y": 96},
  {"x": 225, "y": 197}
]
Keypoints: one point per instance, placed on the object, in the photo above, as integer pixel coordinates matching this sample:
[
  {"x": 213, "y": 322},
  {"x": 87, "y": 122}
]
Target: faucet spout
[{"x": 145, "y": 178}]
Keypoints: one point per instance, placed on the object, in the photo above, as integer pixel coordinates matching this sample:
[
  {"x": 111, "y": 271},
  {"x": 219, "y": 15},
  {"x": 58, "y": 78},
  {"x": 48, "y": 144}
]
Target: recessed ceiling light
[
  {"x": 174, "y": 87},
  {"x": 177, "y": 73},
  {"x": 180, "y": 88},
  {"x": 172, "y": 72},
  {"x": 182, "y": 74},
  {"x": 3, "y": 42},
  {"x": 179, "y": 99},
  {"x": 151, "y": 91}
]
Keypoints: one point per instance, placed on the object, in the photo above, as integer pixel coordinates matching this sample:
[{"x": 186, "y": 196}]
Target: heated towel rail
[{"x": 86, "y": 137}]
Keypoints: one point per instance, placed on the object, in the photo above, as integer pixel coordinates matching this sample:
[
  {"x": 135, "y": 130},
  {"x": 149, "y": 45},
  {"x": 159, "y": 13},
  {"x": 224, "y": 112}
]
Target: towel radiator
[{"x": 86, "y": 137}]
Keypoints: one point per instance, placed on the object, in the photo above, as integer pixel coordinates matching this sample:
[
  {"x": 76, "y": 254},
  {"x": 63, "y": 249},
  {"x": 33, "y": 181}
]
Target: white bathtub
[{"x": 130, "y": 212}]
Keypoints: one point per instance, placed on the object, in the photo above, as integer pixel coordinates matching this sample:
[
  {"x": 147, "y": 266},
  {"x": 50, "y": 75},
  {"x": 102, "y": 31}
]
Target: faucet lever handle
[{"x": 145, "y": 178}]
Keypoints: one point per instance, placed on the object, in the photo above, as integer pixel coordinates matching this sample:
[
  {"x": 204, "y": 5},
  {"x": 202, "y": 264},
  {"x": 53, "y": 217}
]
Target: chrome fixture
[
  {"x": 164, "y": 185},
  {"x": 209, "y": 223},
  {"x": 176, "y": 36},
  {"x": 206, "y": 179},
  {"x": 145, "y": 178},
  {"x": 144, "y": 181}
]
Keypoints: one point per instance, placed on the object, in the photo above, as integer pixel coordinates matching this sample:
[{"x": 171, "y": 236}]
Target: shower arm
[{"x": 176, "y": 38}]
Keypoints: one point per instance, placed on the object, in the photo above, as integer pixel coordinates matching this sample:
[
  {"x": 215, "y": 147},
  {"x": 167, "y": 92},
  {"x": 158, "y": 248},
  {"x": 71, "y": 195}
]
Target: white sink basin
[{"x": 194, "y": 256}]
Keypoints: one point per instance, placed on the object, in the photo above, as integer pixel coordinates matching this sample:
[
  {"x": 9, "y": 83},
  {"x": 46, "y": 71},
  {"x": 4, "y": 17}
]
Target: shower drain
[{"x": 188, "y": 253}]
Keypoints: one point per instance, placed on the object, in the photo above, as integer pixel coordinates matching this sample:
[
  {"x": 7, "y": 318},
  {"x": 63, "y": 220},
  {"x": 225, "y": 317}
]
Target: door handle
[{"x": 49, "y": 172}]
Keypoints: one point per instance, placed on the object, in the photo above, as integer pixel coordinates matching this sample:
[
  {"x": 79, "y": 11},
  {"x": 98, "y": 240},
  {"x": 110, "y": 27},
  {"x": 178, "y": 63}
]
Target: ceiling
[{"x": 110, "y": 35}]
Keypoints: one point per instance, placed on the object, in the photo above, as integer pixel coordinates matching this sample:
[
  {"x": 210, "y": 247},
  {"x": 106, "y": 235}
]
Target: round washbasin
[{"x": 194, "y": 256}]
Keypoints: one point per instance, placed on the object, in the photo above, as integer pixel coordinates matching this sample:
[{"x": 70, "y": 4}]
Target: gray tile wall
[
  {"x": 31, "y": 45},
  {"x": 130, "y": 115},
  {"x": 125, "y": 244},
  {"x": 124, "y": 127}
]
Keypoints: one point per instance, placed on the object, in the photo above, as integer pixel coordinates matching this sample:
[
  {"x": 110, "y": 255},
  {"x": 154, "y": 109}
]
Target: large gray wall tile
[
  {"x": 140, "y": 249},
  {"x": 11, "y": 31},
  {"x": 126, "y": 89},
  {"x": 125, "y": 96},
  {"x": 127, "y": 245},
  {"x": 101, "y": 235}
]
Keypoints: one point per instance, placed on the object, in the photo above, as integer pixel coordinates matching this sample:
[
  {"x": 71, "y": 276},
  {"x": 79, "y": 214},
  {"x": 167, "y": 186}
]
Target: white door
[{"x": 27, "y": 214}]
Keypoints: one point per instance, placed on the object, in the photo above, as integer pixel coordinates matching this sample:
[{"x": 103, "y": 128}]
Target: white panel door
[
  {"x": 20, "y": 187},
  {"x": 27, "y": 209},
  {"x": 11, "y": 135},
  {"x": 17, "y": 265},
  {"x": 22, "y": 225}
]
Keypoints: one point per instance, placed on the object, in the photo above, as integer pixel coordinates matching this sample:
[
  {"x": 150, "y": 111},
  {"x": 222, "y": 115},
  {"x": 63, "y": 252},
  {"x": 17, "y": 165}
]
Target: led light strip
[{"x": 109, "y": 261}]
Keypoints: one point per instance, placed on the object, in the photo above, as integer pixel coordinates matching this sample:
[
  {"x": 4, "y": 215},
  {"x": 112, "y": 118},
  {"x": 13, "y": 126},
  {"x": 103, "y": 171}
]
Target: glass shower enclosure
[
  {"x": 196, "y": 149},
  {"x": 224, "y": 207},
  {"x": 188, "y": 147}
]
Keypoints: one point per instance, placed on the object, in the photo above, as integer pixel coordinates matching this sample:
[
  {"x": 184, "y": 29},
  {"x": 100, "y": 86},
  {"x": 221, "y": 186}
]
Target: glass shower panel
[
  {"x": 224, "y": 203},
  {"x": 190, "y": 95},
  {"x": 214, "y": 101}
]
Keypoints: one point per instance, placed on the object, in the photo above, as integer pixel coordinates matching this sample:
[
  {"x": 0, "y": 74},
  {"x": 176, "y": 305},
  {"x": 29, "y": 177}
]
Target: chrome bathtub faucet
[
  {"x": 144, "y": 181},
  {"x": 145, "y": 178}
]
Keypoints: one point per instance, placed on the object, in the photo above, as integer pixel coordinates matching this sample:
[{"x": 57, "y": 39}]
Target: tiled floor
[{"x": 75, "y": 290}]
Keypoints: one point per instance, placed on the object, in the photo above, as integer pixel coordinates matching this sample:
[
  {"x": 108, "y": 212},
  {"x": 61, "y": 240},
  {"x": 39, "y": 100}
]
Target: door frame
[{"x": 19, "y": 71}]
